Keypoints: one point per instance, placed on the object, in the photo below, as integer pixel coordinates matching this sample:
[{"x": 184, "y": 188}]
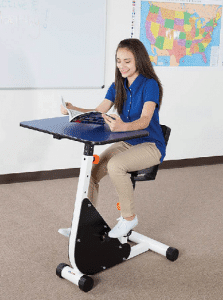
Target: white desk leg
[
  {"x": 84, "y": 282},
  {"x": 82, "y": 191}
]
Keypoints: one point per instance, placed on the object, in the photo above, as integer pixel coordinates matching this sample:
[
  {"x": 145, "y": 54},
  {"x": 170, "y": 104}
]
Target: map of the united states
[{"x": 176, "y": 31}]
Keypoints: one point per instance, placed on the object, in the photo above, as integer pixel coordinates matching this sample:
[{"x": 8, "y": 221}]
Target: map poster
[{"x": 180, "y": 33}]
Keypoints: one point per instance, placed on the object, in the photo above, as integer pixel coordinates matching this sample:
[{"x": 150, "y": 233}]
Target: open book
[{"x": 93, "y": 117}]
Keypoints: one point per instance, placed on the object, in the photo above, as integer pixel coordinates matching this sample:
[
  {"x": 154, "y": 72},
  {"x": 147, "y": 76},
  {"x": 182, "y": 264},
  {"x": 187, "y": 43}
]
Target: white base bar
[
  {"x": 152, "y": 244},
  {"x": 138, "y": 249},
  {"x": 71, "y": 275}
]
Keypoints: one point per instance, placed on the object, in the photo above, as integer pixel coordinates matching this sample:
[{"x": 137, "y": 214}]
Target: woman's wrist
[
  {"x": 125, "y": 126},
  {"x": 72, "y": 107},
  {"x": 83, "y": 110}
]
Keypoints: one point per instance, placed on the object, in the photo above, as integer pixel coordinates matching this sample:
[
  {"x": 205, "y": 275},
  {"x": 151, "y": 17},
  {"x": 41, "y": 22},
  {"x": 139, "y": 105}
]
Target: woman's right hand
[{"x": 63, "y": 110}]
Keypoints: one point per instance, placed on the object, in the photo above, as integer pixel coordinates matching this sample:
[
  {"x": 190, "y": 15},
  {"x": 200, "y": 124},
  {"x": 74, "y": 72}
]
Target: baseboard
[
  {"x": 74, "y": 172},
  {"x": 191, "y": 162},
  {"x": 38, "y": 176}
]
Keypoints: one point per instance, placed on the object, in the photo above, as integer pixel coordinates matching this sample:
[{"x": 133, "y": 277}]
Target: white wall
[{"x": 192, "y": 107}]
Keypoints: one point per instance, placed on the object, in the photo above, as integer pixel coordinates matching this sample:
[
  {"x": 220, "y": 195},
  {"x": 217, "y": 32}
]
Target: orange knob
[
  {"x": 96, "y": 159},
  {"x": 118, "y": 206}
]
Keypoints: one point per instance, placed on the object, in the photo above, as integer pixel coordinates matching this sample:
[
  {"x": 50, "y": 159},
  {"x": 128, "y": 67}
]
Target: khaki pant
[{"x": 116, "y": 161}]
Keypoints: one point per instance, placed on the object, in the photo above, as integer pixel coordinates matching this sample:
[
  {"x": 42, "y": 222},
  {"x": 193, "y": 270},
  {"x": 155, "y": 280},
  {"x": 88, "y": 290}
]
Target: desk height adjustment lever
[{"x": 96, "y": 159}]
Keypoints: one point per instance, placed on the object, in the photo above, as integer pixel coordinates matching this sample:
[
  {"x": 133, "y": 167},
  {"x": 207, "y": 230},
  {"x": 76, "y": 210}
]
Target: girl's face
[{"x": 126, "y": 64}]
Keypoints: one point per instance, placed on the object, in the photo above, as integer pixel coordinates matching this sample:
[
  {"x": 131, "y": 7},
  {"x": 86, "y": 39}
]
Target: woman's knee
[
  {"x": 111, "y": 167},
  {"x": 115, "y": 166}
]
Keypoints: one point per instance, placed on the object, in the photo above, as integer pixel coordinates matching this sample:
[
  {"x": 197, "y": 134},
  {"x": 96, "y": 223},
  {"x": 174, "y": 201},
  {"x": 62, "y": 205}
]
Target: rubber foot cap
[
  {"x": 86, "y": 283},
  {"x": 172, "y": 254},
  {"x": 60, "y": 268}
]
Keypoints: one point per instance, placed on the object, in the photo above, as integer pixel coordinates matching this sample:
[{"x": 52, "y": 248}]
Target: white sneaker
[
  {"x": 123, "y": 227},
  {"x": 65, "y": 231}
]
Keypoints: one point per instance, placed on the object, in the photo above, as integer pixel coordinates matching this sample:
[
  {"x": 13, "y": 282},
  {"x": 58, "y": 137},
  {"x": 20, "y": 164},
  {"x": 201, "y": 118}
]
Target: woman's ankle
[{"x": 130, "y": 218}]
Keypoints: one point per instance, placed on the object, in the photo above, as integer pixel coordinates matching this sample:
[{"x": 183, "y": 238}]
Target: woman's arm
[
  {"x": 103, "y": 107},
  {"x": 64, "y": 111},
  {"x": 145, "y": 118},
  {"x": 141, "y": 123}
]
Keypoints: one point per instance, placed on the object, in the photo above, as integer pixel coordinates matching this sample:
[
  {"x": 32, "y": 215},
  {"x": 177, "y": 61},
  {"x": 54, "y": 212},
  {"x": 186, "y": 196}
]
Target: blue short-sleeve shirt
[{"x": 141, "y": 90}]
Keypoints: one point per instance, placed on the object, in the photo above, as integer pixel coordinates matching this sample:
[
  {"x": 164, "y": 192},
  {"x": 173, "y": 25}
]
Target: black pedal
[{"x": 129, "y": 233}]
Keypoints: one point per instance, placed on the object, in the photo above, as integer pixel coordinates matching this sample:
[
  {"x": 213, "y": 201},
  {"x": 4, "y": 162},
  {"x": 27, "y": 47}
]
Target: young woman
[{"x": 137, "y": 95}]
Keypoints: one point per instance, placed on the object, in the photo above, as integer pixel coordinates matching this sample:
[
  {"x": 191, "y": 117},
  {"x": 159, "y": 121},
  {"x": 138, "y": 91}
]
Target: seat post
[{"x": 133, "y": 181}]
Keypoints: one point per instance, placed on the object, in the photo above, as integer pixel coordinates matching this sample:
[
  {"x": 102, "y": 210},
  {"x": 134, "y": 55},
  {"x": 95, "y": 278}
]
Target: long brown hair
[{"x": 143, "y": 66}]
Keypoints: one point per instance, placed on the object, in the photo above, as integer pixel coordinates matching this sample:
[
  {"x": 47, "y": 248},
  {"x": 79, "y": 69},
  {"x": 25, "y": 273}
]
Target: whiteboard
[{"x": 52, "y": 43}]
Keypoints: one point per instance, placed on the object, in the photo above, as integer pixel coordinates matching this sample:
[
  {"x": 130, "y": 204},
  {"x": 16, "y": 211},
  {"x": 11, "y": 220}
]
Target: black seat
[{"x": 149, "y": 173}]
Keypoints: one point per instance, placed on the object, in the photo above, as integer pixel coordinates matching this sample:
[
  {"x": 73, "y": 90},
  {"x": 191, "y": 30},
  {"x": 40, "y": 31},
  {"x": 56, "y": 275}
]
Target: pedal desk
[{"x": 90, "y": 249}]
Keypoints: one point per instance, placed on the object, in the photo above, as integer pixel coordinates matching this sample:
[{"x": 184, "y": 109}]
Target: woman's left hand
[{"x": 115, "y": 124}]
